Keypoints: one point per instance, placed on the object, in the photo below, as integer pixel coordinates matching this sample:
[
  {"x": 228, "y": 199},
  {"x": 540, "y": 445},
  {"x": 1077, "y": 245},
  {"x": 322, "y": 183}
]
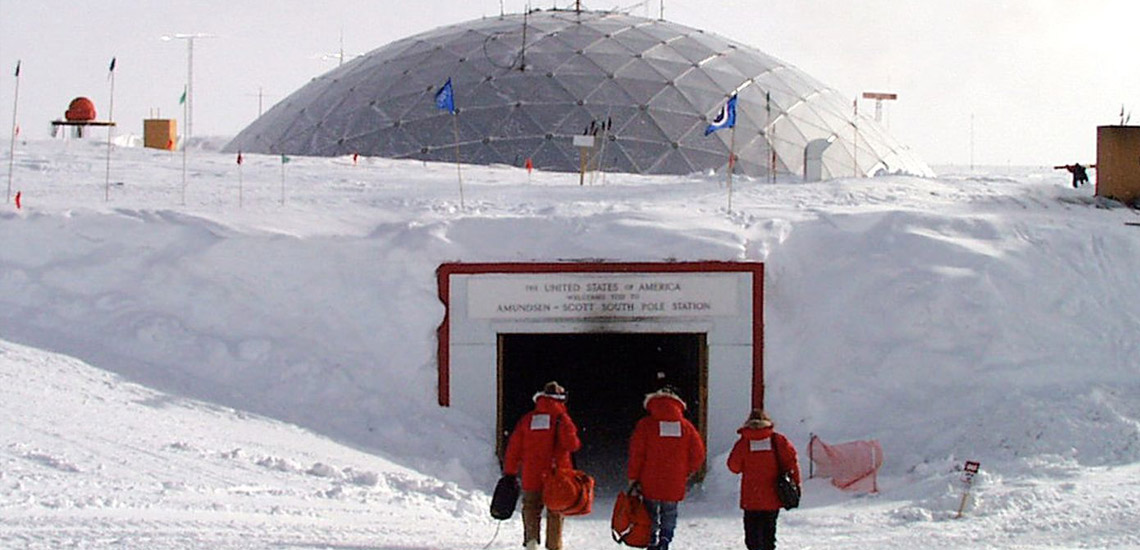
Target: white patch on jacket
[
  {"x": 755, "y": 445},
  {"x": 540, "y": 422},
  {"x": 669, "y": 428}
]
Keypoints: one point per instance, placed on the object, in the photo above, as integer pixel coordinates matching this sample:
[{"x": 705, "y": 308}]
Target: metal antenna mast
[{"x": 189, "y": 38}]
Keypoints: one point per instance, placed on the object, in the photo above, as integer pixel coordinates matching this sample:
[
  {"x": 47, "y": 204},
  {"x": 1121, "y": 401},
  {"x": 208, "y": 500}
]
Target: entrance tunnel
[{"x": 606, "y": 376}]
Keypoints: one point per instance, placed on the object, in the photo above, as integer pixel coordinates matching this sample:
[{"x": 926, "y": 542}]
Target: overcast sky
[{"x": 989, "y": 81}]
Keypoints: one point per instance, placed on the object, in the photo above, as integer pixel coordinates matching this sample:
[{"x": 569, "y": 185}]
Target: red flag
[
  {"x": 354, "y": 157},
  {"x": 239, "y": 159},
  {"x": 529, "y": 165},
  {"x": 17, "y": 200}
]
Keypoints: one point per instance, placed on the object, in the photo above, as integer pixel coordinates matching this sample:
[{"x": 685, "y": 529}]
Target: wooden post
[
  {"x": 581, "y": 166},
  {"x": 584, "y": 145},
  {"x": 968, "y": 473}
]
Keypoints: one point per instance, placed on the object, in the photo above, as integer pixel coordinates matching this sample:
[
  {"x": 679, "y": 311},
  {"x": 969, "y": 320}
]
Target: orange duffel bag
[
  {"x": 630, "y": 524},
  {"x": 569, "y": 492}
]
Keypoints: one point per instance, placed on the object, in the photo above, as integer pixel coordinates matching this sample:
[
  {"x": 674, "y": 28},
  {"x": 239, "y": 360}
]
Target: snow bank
[{"x": 951, "y": 318}]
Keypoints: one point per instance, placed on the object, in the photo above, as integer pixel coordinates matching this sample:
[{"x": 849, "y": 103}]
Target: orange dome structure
[{"x": 80, "y": 109}]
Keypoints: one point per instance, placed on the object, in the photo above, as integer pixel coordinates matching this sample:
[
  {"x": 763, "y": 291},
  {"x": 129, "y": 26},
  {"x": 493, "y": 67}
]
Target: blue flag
[
  {"x": 726, "y": 118},
  {"x": 445, "y": 98}
]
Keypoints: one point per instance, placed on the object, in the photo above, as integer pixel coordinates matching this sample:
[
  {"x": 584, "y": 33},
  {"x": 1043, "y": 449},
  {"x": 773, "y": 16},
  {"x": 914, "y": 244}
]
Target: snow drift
[{"x": 962, "y": 317}]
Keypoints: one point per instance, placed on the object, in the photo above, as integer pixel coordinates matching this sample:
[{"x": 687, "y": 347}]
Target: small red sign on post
[{"x": 968, "y": 473}]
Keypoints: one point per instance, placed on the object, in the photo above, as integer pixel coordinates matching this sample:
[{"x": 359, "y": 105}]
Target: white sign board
[
  {"x": 585, "y": 141},
  {"x": 602, "y": 295}
]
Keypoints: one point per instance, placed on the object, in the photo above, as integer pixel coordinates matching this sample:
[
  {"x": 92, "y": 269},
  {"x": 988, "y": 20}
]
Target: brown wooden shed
[{"x": 1118, "y": 163}]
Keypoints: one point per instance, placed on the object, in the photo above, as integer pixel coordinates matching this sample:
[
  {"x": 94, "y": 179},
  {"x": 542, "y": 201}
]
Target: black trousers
[{"x": 760, "y": 530}]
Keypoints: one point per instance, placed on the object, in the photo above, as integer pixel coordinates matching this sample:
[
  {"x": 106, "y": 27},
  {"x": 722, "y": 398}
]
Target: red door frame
[{"x": 445, "y": 271}]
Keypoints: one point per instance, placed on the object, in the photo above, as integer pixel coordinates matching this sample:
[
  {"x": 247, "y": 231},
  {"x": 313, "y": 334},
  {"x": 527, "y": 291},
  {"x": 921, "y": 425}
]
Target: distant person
[
  {"x": 1079, "y": 172},
  {"x": 754, "y": 455},
  {"x": 664, "y": 452},
  {"x": 543, "y": 439}
]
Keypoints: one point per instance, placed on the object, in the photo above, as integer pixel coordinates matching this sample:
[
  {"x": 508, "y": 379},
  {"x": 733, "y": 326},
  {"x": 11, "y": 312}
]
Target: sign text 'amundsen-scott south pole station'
[{"x": 602, "y": 295}]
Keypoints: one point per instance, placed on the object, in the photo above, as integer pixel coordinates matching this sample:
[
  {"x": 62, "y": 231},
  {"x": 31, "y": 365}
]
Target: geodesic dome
[{"x": 525, "y": 85}]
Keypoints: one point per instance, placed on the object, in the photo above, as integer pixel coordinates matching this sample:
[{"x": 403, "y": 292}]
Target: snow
[{"x": 199, "y": 374}]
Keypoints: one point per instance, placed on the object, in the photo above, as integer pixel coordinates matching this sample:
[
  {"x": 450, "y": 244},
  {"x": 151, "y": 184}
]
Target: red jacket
[
  {"x": 754, "y": 455},
  {"x": 665, "y": 449},
  {"x": 532, "y": 447}
]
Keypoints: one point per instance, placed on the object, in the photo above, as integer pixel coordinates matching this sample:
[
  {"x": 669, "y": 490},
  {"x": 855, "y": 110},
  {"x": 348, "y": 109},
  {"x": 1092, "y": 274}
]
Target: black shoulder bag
[{"x": 786, "y": 487}]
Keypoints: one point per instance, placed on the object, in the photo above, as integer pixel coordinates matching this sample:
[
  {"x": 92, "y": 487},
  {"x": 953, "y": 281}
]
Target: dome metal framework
[{"x": 526, "y": 84}]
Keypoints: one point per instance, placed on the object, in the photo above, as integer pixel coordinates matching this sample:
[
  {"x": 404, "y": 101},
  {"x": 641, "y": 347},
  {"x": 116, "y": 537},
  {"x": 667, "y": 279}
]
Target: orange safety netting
[{"x": 852, "y": 466}]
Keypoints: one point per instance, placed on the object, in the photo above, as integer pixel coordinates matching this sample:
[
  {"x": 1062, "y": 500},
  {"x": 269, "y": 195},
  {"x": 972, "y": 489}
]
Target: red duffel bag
[
  {"x": 568, "y": 492},
  {"x": 629, "y": 524}
]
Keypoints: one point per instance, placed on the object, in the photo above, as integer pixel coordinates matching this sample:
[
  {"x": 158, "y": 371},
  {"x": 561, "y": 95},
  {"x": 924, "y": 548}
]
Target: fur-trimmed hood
[
  {"x": 756, "y": 425},
  {"x": 663, "y": 393},
  {"x": 665, "y": 405},
  {"x": 755, "y": 432},
  {"x": 552, "y": 390},
  {"x": 758, "y": 419},
  {"x": 548, "y": 405}
]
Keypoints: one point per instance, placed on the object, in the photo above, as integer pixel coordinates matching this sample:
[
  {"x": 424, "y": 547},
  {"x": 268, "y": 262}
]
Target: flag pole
[
  {"x": 458, "y": 169},
  {"x": 239, "y": 163},
  {"x": 284, "y": 161},
  {"x": 12, "y": 145},
  {"x": 110, "y": 129},
  {"x": 855, "y": 144},
  {"x": 445, "y": 100},
  {"x": 599, "y": 158},
  {"x": 185, "y": 136},
  {"x": 768, "y": 131},
  {"x": 731, "y": 161},
  {"x": 773, "y": 147}
]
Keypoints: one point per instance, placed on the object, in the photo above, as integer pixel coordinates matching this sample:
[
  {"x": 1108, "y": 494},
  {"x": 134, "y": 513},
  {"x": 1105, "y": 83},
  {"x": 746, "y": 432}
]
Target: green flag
[
  {"x": 182, "y": 100},
  {"x": 285, "y": 159}
]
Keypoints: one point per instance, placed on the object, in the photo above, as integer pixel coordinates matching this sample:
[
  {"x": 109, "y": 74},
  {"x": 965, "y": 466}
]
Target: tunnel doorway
[{"x": 606, "y": 376}]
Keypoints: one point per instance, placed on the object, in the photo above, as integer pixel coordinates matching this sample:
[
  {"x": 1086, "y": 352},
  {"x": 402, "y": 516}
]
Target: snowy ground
[{"x": 194, "y": 374}]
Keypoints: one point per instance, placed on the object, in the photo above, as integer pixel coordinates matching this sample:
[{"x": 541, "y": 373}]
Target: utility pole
[
  {"x": 260, "y": 100},
  {"x": 189, "y": 38},
  {"x": 879, "y": 98}
]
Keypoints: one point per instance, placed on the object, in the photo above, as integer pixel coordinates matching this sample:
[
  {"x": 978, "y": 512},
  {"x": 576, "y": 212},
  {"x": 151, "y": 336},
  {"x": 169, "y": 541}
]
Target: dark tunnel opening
[{"x": 606, "y": 376}]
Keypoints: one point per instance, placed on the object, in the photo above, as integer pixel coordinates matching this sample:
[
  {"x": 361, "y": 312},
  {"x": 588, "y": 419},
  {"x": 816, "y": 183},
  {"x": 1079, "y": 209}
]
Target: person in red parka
[
  {"x": 542, "y": 440},
  {"x": 664, "y": 452},
  {"x": 755, "y": 456}
]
